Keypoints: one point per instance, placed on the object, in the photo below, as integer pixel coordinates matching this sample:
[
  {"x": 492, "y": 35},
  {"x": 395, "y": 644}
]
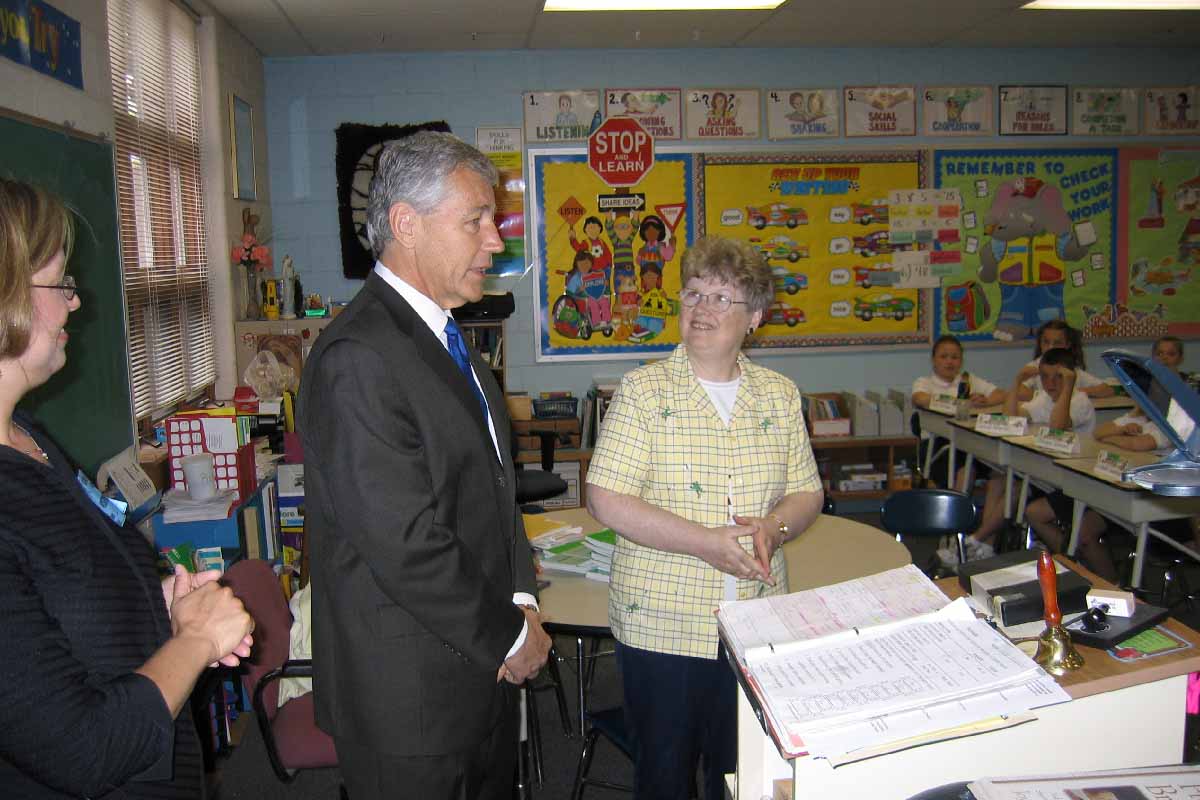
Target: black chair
[
  {"x": 609, "y": 723},
  {"x": 930, "y": 512},
  {"x": 534, "y": 485}
]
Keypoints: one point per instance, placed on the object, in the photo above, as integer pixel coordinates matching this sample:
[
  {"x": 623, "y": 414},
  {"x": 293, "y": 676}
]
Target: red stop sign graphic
[{"x": 620, "y": 151}]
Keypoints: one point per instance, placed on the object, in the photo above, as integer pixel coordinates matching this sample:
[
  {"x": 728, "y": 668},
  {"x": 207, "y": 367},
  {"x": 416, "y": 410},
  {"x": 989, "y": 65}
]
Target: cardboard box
[
  {"x": 523, "y": 427},
  {"x": 520, "y": 406},
  {"x": 821, "y": 425}
]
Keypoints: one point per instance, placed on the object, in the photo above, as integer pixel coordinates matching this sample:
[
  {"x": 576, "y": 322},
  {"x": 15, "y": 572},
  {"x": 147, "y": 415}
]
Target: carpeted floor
[{"x": 246, "y": 775}]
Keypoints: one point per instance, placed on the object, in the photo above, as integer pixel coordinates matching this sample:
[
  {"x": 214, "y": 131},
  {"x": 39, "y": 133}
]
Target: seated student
[
  {"x": 1134, "y": 431},
  {"x": 948, "y": 374},
  {"x": 1057, "y": 333},
  {"x": 1059, "y": 405},
  {"x": 1168, "y": 350}
]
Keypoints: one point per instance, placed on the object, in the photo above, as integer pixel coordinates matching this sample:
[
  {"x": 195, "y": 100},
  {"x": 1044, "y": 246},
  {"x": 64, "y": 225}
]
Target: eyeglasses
[
  {"x": 67, "y": 287},
  {"x": 718, "y": 302}
]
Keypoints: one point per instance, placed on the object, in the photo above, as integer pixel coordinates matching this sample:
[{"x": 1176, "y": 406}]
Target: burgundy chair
[{"x": 291, "y": 735}]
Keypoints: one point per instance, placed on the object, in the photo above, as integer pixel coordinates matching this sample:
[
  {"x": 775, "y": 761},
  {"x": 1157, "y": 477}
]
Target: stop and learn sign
[{"x": 620, "y": 151}]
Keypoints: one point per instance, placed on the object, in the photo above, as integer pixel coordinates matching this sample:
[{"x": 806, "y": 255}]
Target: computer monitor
[{"x": 1174, "y": 407}]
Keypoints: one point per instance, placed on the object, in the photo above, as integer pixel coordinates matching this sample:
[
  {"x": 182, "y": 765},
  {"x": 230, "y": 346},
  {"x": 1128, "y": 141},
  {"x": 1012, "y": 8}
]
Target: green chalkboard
[{"x": 86, "y": 406}]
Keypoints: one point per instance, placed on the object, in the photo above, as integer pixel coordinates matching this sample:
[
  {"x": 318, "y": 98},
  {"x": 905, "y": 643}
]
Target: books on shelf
[{"x": 869, "y": 666}]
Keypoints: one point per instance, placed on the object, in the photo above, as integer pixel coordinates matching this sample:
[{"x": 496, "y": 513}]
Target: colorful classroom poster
[
  {"x": 1171, "y": 111},
  {"x": 608, "y": 280},
  {"x": 1033, "y": 110},
  {"x": 1038, "y": 239},
  {"x": 503, "y": 148},
  {"x": 717, "y": 114},
  {"x": 880, "y": 111},
  {"x": 1104, "y": 112},
  {"x": 1159, "y": 280},
  {"x": 659, "y": 110},
  {"x": 803, "y": 113},
  {"x": 565, "y": 116},
  {"x": 821, "y": 220},
  {"x": 956, "y": 111}
]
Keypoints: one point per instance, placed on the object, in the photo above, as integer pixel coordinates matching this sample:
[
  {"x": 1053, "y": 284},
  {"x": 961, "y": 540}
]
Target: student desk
[
  {"x": 832, "y": 550},
  {"x": 1088, "y": 733},
  {"x": 1127, "y": 502},
  {"x": 947, "y": 427}
]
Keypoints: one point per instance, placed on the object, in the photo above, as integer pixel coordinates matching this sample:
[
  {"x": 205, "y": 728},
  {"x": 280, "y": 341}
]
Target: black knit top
[{"x": 81, "y": 607}]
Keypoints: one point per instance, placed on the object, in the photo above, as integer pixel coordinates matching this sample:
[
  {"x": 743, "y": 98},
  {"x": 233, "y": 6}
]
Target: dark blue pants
[{"x": 681, "y": 713}]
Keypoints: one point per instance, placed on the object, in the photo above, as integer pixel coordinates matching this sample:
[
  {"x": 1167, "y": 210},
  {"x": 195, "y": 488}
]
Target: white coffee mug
[{"x": 199, "y": 475}]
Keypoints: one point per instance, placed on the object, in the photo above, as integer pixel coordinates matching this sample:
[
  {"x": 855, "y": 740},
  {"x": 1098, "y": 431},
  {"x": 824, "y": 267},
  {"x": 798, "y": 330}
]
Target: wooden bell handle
[{"x": 1048, "y": 578}]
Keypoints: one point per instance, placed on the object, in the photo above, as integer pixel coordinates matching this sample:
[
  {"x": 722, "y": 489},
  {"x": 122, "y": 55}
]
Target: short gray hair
[
  {"x": 414, "y": 170},
  {"x": 734, "y": 262}
]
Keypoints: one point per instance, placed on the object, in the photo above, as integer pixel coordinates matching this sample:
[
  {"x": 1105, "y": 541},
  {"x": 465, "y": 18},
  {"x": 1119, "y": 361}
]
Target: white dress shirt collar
[{"x": 430, "y": 312}]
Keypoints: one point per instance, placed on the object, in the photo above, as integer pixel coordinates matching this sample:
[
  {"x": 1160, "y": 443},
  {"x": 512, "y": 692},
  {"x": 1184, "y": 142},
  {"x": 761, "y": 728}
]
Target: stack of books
[{"x": 590, "y": 556}]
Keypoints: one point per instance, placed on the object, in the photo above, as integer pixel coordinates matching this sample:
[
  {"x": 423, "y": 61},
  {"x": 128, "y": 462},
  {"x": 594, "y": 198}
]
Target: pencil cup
[{"x": 199, "y": 475}]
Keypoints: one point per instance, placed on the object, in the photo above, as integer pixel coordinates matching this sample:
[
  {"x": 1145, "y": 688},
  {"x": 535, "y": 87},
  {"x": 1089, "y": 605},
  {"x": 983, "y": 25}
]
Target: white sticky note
[
  {"x": 220, "y": 435},
  {"x": 1097, "y": 260},
  {"x": 969, "y": 219},
  {"x": 981, "y": 188},
  {"x": 1077, "y": 277},
  {"x": 972, "y": 244},
  {"x": 1085, "y": 232}
]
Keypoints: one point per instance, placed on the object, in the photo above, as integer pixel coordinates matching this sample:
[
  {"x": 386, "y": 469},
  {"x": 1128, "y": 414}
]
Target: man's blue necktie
[{"x": 458, "y": 351}]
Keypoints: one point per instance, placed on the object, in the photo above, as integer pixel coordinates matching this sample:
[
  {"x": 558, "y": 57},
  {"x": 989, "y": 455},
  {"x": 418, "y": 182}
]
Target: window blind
[{"x": 156, "y": 105}]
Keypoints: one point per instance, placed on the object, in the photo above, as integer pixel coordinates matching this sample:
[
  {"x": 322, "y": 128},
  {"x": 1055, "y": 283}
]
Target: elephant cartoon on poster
[{"x": 1032, "y": 240}]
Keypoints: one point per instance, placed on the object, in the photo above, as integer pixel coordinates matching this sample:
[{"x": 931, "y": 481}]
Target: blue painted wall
[{"x": 307, "y": 98}]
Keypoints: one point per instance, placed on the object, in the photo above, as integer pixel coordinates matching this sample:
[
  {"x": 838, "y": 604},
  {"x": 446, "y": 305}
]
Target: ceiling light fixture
[
  {"x": 1112, "y": 5},
  {"x": 661, "y": 5}
]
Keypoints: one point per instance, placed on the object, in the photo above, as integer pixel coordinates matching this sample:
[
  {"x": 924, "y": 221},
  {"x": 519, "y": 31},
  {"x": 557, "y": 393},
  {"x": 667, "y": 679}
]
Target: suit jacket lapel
[{"x": 431, "y": 350}]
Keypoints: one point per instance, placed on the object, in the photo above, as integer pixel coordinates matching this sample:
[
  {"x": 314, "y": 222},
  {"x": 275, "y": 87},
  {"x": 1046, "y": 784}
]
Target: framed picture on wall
[
  {"x": 1173, "y": 111},
  {"x": 722, "y": 113},
  {"x": 1033, "y": 110},
  {"x": 659, "y": 110},
  {"x": 1104, "y": 112},
  {"x": 241, "y": 148},
  {"x": 880, "y": 110},
  {"x": 803, "y": 113},
  {"x": 957, "y": 111},
  {"x": 563, "y": 116}
]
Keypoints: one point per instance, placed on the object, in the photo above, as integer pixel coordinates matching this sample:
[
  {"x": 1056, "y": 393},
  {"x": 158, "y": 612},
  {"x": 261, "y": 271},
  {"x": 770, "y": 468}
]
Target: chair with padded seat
[
  {"x": 536, "y": 485},
  {"x": 290, "y": 733},
  {"x": 930, "y": 512}
]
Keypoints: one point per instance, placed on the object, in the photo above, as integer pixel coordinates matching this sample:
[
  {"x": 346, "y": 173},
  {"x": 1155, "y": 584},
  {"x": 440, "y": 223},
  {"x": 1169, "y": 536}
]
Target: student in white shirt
[
  {"x": 1057, "y": 333},
  {"x": 948, "y": 374},
  {"x": 1060, "y": 405},
  {"x": 1168, "y": 351}
]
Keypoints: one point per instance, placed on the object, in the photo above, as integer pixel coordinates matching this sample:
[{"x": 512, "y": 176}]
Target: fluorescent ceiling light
[
  {"x": 661, "y": 5},
  {"x": 1113, "y": 5}
]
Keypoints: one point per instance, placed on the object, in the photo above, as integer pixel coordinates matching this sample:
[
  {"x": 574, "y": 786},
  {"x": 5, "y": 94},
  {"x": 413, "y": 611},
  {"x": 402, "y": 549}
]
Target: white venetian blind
[{"x": 156, "y": 102}]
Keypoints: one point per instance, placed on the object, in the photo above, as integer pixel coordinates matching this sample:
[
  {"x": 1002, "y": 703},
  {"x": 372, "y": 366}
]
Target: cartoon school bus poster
[
  {"x": 1158, "y": 280},
  {"x": 822, "y": 222},
  {"x": 608, "y": 259},
  {"x": 1038, "y": 239}
]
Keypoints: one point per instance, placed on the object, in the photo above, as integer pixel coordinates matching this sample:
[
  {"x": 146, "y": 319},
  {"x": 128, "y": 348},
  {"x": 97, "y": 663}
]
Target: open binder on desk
[{"x": 880, "y": 664}]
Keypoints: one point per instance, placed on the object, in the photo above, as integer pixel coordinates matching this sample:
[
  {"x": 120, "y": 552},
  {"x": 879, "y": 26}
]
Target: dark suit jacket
[{"x": 417, "y": 541}]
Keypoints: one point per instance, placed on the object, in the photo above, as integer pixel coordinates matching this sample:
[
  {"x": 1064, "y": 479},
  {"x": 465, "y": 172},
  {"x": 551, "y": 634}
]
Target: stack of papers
[
  {"x": 544, "y": 531},
  {"x": 590, "y": 556},
  {"x": 857, "y": 669},
  {"x": 181, "y": 507}
]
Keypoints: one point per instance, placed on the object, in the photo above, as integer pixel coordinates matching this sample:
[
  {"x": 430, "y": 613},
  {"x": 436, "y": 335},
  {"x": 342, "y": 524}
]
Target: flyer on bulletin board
[{"x": 503, "y": 148}]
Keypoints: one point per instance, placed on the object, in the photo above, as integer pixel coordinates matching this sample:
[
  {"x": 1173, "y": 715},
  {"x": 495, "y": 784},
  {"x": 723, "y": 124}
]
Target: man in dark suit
[{"x": 424, "y": 616}]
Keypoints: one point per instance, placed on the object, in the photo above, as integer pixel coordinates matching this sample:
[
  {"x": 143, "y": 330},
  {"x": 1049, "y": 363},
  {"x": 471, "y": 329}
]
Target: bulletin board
[
  {"x": 1158, "y": 283},
  {"x": 821, "y": 219},
  {"x": 622, "y": 299},
  {"x": 1038, "y": 240}
]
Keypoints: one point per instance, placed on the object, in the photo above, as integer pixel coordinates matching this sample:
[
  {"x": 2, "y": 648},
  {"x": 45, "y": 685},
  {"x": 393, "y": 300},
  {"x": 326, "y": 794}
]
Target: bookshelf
[
  {"x": 832, "y": 452},
  {"x": 487, "y": 337}
]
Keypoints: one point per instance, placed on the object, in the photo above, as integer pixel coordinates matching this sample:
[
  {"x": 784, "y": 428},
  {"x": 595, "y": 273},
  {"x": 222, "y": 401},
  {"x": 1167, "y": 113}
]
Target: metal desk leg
[
  {"x": 1077, "y": 509},
  {"x": 1008, "y": 487},
  {"x": 579, "y": 662},
  {"x": 1022, "y": 500},
  {"x": 967, "y": 467},
  {"x": 1139, "y": 555}
]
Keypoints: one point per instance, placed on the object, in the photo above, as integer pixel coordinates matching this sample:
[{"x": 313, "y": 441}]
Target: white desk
[
  {"x": 1069, "y": 737},
  {"x": 1126, "y": 502},
  {"x": 832, "y": 550}
]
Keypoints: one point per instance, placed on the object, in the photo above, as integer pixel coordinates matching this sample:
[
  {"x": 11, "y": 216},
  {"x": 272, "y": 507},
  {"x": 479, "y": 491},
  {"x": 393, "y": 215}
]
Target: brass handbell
[{"x": 1055, "y": 653}]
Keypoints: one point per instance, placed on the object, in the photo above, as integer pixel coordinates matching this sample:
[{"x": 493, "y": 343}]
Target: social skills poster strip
[
  {"x": 802, "y": 113},
  {"x": 660, "y": 111},
  {"x": 561, "y": 116},
  {"x": 880, "y": 110}
]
